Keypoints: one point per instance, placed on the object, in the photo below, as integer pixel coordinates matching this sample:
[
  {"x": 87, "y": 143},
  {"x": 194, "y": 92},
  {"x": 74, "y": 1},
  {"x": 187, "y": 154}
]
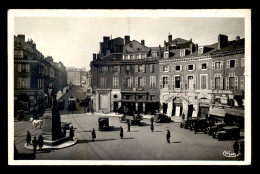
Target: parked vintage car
[
  {"x": 103, "y": 123},
  {"x": 61, "y": 104},
  {"x": 213, "y": 129},
  {"x": 161, "y": 118},
  {"x": 133, "y": 118},
  {"x": 71, "y": 103},
  {"x": 189, "y": 123},
  {"x": 228, "y": 132},
  {"x": 200, "y": 125}
]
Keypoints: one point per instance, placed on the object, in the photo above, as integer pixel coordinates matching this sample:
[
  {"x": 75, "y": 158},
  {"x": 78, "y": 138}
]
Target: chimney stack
[
  {"x": 21, "y": 37},
  {"x": 192, "y": 48},
  {"x": 127, "y": 39},
  {"x": 169, "y": 38},
  {"x": 222, "y": 41},
  {"x": 142, "y": 42},
  {"x": 237, "y": 38},
  {"x": 196, "y": 47},
  {"x": 98, "y": 56},
  {"x": 94, "y": 56},
  {"x": 106, "y": 39}
]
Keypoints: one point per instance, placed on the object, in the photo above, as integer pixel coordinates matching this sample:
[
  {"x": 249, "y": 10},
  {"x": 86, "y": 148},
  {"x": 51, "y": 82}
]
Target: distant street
[{"x": 138, "y": 144}]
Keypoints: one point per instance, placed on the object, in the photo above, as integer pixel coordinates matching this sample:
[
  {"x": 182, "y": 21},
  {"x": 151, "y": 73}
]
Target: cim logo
[{"x": 229, "y": 154}]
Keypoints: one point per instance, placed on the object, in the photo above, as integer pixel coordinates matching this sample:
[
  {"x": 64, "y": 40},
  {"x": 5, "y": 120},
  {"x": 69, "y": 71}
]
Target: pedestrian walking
[
  {"x": 152, "y": 120},
  {"x": 28, "y": 138},
  {"x": 93, "y": 135},
  {"x": 152, "y": 127},
  {"x": 40, "y": 142},
  {"x": 168, "y": 135},
  {"x": 183, "y": 116},
  {"x": 236, "y": 147},
  {"x": 35, "y": 143},
  {"x": 71, "y": 133},
  {"x": 121, "y": 132},
  {"x": 128, "y": 125}
]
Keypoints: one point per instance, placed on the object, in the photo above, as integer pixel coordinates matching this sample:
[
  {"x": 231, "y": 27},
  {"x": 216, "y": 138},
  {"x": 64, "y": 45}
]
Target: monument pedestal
[{"x": 51, "y": 129}]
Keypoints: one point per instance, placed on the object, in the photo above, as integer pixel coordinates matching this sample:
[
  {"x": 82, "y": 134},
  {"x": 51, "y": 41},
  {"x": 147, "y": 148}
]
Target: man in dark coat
[
  {"x": 64, "y": 131},
  {"x": 236, "y": 147},
  {"x": 40, "y": 142},
  {"x": 121, "y": 132},
  {"x": 128, "y": 125},
  {"x": 152, "y": 120},
  {"x": 28, "y": 138},
  {"x": 71, "y": 133},
  {"x": 152, "y": 127},
  {"x": 93, "y": 134},
  {"x": 168, "y": 135},
  {"x": 35, "y": 143}
]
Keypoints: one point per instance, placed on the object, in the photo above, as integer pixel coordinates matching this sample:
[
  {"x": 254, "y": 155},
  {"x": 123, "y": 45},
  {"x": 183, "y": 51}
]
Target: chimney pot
[
  {"x": 222, "y": 41},
  {"x": 94, "y": 56},
  {"x": 127, "y": 39},
  {"x": 142, "y": 42},
  {"x": 237, "y": 38},
  {"x": 169, "y": 38}
]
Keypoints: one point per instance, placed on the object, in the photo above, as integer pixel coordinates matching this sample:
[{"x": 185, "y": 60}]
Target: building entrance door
[
  {"x": 165, "y": 105},
  {"x": 103, "y": 99},
  {"x": 115, "y": 106}
]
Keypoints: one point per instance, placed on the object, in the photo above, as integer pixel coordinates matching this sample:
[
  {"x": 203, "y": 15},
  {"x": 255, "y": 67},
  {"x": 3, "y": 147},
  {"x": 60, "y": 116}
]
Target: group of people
[{"x": 35, "y": 142}]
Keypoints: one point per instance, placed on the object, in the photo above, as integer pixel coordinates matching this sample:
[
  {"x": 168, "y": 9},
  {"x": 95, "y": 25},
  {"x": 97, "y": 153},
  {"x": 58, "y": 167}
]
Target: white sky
[{"x": 73, "y": 40}]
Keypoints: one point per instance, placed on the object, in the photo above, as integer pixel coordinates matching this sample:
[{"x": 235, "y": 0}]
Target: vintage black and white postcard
[{"x": 129, "y": 87}]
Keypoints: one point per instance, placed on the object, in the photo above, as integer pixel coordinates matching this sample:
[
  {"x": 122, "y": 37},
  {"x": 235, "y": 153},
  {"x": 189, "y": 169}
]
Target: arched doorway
[{"x": 177, "y": 106}]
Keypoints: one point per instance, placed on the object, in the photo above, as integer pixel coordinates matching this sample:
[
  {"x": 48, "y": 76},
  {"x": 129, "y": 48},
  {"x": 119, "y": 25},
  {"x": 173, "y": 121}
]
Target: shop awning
[
  {"x": 218, "y": 112},
  {"x": 235, "y": 112}
]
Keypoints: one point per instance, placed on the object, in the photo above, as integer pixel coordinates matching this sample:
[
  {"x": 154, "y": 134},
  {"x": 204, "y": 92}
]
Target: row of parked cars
[{"x": 219, "y": 130}]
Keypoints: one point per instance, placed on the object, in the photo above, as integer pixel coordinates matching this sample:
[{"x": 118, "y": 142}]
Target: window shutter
[
  {"x": 160, "y": 82},
  {"x": 173, "y": 68},
  {"x": 228, "y": 64},
  {"x": 169, "y": 81},
  {"x": 213, "y": 65},
  {"x": 144, "y": 81},
  {"x": 123, "y": 81},
  {"x": 194, "y": 81},
  {"x": 154, "y": 81},
  {"x": 131, "y": 81},
  {"x": 19, "y": 67},
  {"x": 151, "y": 68},
  {"x": 136, "y": 81},
  {"x": 200, "y": 66},
  {"x": 180, "y": 67},
  {"x": 143, "y": 68},
  {"x": 27, "y": 67},
  {"x": 241, "y": 82},
  {"x": 18, "y": 82},
  {"x": 186, "y": 67},
  {"x": 242, "y": 62},
  {"x": 213, "y": 83},
  {"x": 173, "y": 82},
  {"x": 236, "y": 82},
  {"x": 182, "y": 82},
  {"x": 194, "y": 67},
  {"x": 227, "y": 83},
  {"x": 136, "y": 68},
  {"x": 150, "y": 80},
  {"x": 161, "y": 68},
  {"x": 236, "y": 63},
  {"x": 168, "y": 68},
  {"x": 221, "y": 65},
  {"x": 221, "y": 83}
]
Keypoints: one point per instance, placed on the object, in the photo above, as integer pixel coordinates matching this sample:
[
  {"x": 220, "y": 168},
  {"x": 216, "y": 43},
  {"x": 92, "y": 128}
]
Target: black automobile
[
  {"x": 213, "y": 129},
  {"x": 200, "y": 125},
  {"x": 61, "y": 104},
  {"x": 133, "y": 118},
  {"x": 103, "y": 123},
  {"x": 161, "y": 118},
  {"x": 189, "y": 123},
  {"x": 228, "y": 133}
]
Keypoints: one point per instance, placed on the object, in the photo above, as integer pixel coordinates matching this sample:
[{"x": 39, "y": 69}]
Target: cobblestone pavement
[{"x": 138, "y": 144}]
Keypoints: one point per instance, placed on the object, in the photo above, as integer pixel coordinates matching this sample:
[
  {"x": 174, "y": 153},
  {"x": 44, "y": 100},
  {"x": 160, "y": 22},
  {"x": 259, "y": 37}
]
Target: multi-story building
[
  {"x": 73, "y": 76},
  {"x": 193, "y": 77},
  {"x": 33, "y": 74},
  {"x": 126, "y": 79}
]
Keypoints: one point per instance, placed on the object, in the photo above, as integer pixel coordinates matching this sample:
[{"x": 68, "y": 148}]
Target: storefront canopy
[
  {"x": 218, "y": 112},
  {"x": 235, "y": 112}
]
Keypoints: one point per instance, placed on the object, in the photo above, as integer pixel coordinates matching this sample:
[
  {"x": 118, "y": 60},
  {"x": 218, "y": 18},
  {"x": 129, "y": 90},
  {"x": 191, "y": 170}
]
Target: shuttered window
[{"x": 242, "y": 82}]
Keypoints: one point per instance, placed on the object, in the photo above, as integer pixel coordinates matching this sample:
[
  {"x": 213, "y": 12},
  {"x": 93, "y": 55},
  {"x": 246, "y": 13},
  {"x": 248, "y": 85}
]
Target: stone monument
[{"x": 51, "y": 129}]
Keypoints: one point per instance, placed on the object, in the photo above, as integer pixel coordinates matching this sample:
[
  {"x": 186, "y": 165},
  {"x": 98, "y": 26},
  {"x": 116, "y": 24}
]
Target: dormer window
[
  {"x": 166, "y": 54},
  {"x": 201, "y": 50},
  {"x": 182, "y": 53}
]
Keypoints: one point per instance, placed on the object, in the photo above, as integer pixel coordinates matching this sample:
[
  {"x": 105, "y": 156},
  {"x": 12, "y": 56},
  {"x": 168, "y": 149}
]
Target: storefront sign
[{"x": 221, "y": 92}]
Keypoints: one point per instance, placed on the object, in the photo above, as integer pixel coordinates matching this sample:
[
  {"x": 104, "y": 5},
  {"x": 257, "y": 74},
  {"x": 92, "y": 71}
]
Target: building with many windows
[
  {"x": 192, "y": 77},
  {"x": 33, "y": 75}
]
